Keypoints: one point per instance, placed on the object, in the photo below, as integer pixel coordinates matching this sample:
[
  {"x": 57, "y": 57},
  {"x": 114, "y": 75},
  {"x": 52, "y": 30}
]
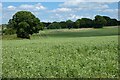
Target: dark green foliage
[
  {"x": 3, "y": 28},
  {"x": 69, "y": 24},
  {"x": 110, "y": 22},
  {"x": 77, "y": 23},
  {"x": 99, "y": 21},
  {"x": 8, "y": 31},
  {"x": 25, "y": 24},
  {"x": 63, "y": 24},
  {"x": 108, "y": 19},
  {"x": 113, "y": 22},
  {"x": 42, "y": 26},
  {"x": 84, "y": 23},
  {"x": 54, "y": 25},
  {"x": 22, "y": 30}
]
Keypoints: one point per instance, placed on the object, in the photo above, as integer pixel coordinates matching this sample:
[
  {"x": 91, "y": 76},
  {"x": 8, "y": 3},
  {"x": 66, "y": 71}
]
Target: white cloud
[
  {"x": 97, "y": 6},
  {"x": 77, "y": 5},
  {"x": 109, "y": 10},
  {"x": 64, "y": 17},
  {"x": 70, "y": 3},
  {"x": 11, "y": 7},
  {"x": 39, "y": 6},
  {"x": 76, "y": 2},
  {"x": 46, "y": 20},
  {"x": 84, "y": 5},
  {"x": 29, "y": 7},
  {"x": 74, "y": 17},
  {"x": 62, "y": 10},
  {"x": 32, "y": 7},
  {"x": 73, "y": 9}
]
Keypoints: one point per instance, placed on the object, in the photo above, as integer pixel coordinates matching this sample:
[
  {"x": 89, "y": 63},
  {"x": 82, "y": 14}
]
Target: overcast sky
[{"x": 60, "y": 11}]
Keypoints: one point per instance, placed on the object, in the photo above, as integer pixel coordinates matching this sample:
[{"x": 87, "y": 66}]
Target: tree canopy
[
  {"x": 54, "y": 25},
  {"x": 25, "y": 24},
  {"x": 84, "y": 23},
  {"x": 110, "y": 22},
  {"x": 69, "y": 24},
  {"x": 99, "y": 21}
]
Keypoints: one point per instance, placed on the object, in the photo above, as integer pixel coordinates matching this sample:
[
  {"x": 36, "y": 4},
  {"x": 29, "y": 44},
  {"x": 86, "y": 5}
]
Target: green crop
[{"x": 63, "y": 54}]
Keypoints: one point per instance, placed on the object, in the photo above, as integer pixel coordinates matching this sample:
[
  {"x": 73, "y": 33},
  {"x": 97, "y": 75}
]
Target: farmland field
[{"x": 62, "y": 53}]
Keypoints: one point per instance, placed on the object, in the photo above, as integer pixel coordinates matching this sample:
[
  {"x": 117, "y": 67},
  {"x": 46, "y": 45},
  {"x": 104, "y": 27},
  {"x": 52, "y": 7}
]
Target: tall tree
[
  {"x": 77, "y": 23},
  {"x": 84, "y": 23},
  {"x": 108, "y": 19},
  {"x": 69, "y": 24},
  {"x": 99, "y": 21},
  {"x": 25, "y": 24}
]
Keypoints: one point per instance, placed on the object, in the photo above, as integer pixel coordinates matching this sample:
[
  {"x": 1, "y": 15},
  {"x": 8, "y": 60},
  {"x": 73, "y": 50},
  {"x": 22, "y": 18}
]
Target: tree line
[
  {"x": 24, "y": 24},
  {"x": 98, "y": 22}
]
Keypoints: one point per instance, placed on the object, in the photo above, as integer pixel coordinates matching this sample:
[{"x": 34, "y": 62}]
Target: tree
[
  {"x": 54, "y": 25},
  {"x": 77, "y": 23},
  {"x": 99, "y": 21},
  {"x": 69, "y": 24},
  {"x": 25, "y": 24},
  {"x": 22, "y": 30},
  {"x": 63, "y": 24},
  {"x": 84, "y": 23},
  {"x": 110, "y": 22},
  {"x": 114, "y": 22},
  {"x": 8, "y": 31},
  {"x": 108, "y": 19},
  {"x": 42, "y": 26}
]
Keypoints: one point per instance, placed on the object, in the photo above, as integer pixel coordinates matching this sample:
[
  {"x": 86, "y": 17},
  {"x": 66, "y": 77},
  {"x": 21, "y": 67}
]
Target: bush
[{"x": 9, "y": 31}]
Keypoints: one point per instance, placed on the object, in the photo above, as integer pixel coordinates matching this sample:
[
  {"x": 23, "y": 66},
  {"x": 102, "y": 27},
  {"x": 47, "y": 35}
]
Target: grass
[
  {"x": 66, "y": 33},
  {"x": 62, "y": 53}
]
